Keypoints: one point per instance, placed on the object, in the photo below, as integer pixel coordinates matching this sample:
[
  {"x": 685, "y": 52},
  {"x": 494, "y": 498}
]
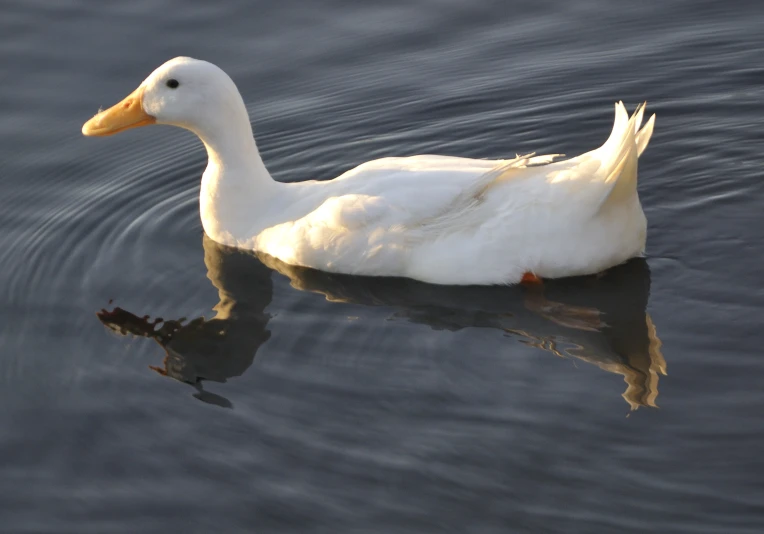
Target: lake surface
[{"x": 275, "y": 399}]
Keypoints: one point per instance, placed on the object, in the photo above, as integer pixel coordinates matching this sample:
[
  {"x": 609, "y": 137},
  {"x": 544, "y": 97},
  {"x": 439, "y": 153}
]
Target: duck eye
[{"x": 172, "y": 83}]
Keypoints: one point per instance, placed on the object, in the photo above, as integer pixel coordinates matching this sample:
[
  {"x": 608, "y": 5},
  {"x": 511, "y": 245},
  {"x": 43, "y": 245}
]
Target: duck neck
[{"x": 236, "y": 187}]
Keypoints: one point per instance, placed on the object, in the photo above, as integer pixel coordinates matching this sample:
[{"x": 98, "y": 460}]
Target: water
[{"x": 294, "y": 401}]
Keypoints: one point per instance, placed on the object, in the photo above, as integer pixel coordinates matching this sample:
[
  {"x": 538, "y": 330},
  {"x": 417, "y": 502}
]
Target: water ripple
[{"x": 357, "y": 405}]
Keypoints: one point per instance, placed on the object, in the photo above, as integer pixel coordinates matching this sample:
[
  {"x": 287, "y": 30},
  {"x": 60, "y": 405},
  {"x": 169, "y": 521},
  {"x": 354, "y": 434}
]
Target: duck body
[{"x": 438, "y": 219}]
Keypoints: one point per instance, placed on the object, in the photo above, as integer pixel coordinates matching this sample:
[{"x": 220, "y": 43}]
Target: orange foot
[{"x": 530, "y": 278}]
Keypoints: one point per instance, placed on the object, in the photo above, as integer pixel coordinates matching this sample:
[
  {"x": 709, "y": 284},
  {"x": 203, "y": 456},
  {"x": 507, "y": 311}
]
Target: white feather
[{"x": 434, "y": 218}]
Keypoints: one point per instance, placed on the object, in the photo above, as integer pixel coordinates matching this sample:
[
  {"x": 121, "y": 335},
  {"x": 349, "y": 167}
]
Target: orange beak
[{"x": 123, "y": 116}]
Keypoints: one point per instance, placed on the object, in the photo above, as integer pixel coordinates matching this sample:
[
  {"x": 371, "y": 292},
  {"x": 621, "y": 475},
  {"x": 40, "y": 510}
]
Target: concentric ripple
[{"x": 336, "y": 404}]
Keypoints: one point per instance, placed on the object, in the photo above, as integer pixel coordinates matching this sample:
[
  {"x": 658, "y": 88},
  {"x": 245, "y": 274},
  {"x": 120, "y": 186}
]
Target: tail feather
[
  {"x": 643, "y": 136},
  {"x": 638, "y": 114},
  {"x": 617, "y": 133},
  {"x": 620, "y": 153}
]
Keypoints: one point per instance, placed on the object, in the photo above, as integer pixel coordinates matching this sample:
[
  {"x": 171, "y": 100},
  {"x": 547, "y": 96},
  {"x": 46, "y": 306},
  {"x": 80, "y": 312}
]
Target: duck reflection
[{"x": 598, "y": 319}]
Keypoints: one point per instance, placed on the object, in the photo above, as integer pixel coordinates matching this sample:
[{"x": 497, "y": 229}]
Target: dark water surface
[{"x": 338, "y": 404}]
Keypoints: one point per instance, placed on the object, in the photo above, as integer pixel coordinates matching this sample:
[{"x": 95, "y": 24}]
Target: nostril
[{"x": 126, "y": 105}]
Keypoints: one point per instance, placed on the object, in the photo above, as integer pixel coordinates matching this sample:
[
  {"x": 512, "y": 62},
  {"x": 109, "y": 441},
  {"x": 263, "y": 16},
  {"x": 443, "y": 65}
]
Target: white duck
[{"x": 439, "y": 219}]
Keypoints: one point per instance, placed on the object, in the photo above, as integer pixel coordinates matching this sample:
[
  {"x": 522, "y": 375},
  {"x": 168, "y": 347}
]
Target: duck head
[{"x": 184, "y": 92}]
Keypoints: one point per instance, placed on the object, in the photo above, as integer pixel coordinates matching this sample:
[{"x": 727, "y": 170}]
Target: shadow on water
[{"x": 598, "y": 319}]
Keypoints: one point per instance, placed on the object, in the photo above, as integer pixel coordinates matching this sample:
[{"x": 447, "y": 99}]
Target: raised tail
[{"x": 620, "y": 152}]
